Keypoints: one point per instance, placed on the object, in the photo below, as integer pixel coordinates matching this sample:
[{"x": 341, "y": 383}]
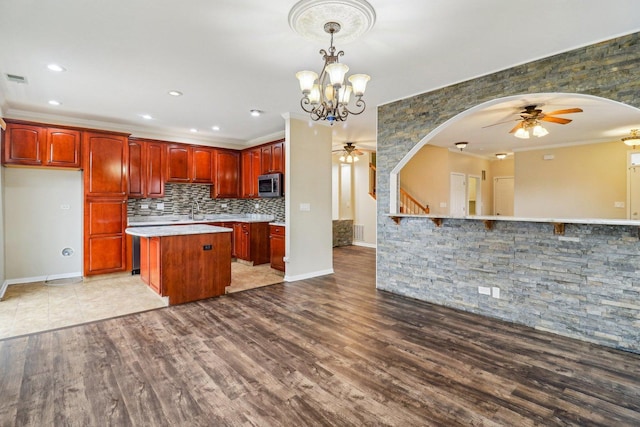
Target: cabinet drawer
[{"x": 277, "y": 230}]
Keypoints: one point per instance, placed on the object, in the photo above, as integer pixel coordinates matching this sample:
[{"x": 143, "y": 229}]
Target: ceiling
[{"x": 230, "y": 56}]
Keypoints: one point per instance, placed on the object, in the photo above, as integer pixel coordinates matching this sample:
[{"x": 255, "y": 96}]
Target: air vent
[{"x": 16, "y": 79}]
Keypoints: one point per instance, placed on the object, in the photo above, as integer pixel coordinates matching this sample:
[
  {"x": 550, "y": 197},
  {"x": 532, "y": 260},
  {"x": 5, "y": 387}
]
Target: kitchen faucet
[{"x": 194, "y": 203}]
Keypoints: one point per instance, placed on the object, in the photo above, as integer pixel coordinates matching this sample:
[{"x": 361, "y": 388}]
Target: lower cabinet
[
  {"x": 251, "y": 242},
  {"x": 276, "y": 236},
  {"x": 104, "y": 238}
]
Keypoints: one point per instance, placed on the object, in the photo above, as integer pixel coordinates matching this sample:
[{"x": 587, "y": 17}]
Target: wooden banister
[{"x": 409, "y": 205}]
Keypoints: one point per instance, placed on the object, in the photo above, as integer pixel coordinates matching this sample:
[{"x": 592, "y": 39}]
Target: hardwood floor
[{"x": 323, "y": 351}]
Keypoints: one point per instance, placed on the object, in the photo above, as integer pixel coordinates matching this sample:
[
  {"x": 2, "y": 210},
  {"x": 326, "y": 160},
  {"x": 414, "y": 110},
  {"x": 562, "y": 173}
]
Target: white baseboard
[
  {"x": 288, "y": 278},
  {"x": 3, "y": 289},
  {"x": 42, "y": 278},
  {"x": 365, "y": 244}
]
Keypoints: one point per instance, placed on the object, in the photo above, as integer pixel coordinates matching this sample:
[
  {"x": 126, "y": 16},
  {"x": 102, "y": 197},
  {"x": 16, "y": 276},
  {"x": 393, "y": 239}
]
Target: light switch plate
[{"x": 305, "y": 207}]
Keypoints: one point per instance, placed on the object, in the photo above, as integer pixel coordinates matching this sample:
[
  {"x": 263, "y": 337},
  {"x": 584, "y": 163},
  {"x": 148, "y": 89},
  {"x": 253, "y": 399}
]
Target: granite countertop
[
  {"x": 175, "y": 230},
  {"x": 278, "y": 224},
  {"x": 139, "y": 221}
]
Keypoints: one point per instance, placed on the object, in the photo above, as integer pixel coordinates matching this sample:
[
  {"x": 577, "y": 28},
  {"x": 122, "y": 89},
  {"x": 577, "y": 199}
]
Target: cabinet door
[
  {"x": 24, "y": 145},
  {"x": 265, "y": 159},
  {"x": 277, "y": 157},
  {"x": 104, "y": 238},
  {"x": 277, "y": 252},
  {"x": 178, "y": 163},
  {"x": 202, "y": 165},
  {"x": 63, "y": 148},
  {"x": 137, "y": 162},
  {"x": 227, "y": 164},
  {"x": 155, "y": 154},
  {"x": 105, "y": 163}
]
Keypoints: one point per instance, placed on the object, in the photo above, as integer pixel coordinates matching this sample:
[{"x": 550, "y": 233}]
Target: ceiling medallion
[{"x": 356, "y": 17}]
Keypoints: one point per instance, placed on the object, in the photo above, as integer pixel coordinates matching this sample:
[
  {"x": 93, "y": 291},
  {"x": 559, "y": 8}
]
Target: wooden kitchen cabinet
[
  {"x": 146, "y": 168},
  {"x": 277, "y": 237},
  {"x": 251, "y": 242},
  {"x": 272, "y": 158},
  {"x": 104, "y": 238},
  {"x": 187, "y": 164},
  {"x": 226, "y": 171},
  {"x": 105, "y": 163},
  {"x": 251, "y": 169},
  {"x": 34, "y": 145}
]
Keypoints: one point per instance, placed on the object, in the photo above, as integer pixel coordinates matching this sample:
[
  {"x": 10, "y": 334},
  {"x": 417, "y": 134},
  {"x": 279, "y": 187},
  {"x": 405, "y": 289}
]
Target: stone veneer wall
[
  {"x": 587, "y": 287},
  {"x": 179, "y": 197},
  {"x": 342, "y": 232}
]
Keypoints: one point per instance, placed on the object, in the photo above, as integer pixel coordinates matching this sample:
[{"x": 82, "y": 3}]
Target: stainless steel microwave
[{"x": 270, "y": 185}]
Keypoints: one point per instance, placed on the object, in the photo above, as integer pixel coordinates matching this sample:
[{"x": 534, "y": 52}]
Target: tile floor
[{"x": 35, "y": 307}]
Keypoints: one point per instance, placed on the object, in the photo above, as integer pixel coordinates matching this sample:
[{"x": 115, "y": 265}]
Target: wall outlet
[
  {"x": 484, "y": 290},
  {"x": 160, "y": 206},
  {"x": 145, "y": 206},
  {"x": 65, "y": 207},
  {"x": 305, "y": 207},
  {"x": 257, "y": 205},
  {"x": 443, "y": 204},
  {"x": 618, "y": 204},
  {"x": 495, "y": 292},
  {"x": 223, "y": 205}
]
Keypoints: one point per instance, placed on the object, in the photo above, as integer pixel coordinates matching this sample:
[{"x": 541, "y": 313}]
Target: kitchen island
[{"x": 185, "y": 263}]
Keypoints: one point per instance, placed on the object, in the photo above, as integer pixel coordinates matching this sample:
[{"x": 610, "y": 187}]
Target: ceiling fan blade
[
  {"x": 499, "y": 123},
  {"x": 567, "y": 111},
  {"x": 516, "y": 127},
  {"x": 559, "y": 120},
  {"x": 358, "y": 152}
]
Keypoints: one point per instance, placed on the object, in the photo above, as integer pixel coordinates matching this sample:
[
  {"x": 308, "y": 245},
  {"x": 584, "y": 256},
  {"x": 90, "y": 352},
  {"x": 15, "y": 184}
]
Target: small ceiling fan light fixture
[
  {"x": 501, "y": 156},
  {"x": 633, "y": 139},
  {"x": 461, "y": 145},
  {"x": 255, "y": 113},
  {"x": 539, "y": 131}
]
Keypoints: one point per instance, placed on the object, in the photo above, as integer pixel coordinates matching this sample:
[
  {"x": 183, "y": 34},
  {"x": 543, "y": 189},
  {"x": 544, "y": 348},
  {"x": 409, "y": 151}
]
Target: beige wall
[
  {"x": 426, "y": 178},
  {"x": 309, "y": 245},
  {"x": 580, "y": 182},
  {"x": 37, "y": 229}
]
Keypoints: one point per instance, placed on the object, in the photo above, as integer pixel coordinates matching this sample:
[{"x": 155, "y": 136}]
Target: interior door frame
[{"x": 464, "y": 196}]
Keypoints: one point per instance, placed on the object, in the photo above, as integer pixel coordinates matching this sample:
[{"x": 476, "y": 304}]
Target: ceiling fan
[
  {"x": 531, "y": 118},
  {"x": 349, "y": 153}
]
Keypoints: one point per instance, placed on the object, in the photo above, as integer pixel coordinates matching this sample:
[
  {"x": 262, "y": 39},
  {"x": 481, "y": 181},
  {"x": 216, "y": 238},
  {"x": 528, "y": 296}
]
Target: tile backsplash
[{"x": 178, "y": 199}]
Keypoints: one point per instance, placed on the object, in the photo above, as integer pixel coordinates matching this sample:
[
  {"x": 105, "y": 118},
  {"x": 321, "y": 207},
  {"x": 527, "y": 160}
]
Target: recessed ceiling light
[
  {"x": 256, "y": 113},
  {"x": 175, "y": 93},
  {"x": 146, "y": 116},
  {"x": 57, "y": 68},
  {"x": 193, "y": 130},
  {"x": 215, "y": 127},
  {"x": 54, "y": 102}
]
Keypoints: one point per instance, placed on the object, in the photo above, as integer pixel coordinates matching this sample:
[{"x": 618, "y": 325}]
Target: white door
[
  {"x": 503, "y": 195},
  {"x": 458, "y": 195}
]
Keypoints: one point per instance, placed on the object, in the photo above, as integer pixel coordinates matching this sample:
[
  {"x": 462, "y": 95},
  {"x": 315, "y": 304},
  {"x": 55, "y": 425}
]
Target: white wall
[
  {"x": 309, "y": 245},
  {"x": 37, "y": 228},
  {"x": 365, "y": 205}
]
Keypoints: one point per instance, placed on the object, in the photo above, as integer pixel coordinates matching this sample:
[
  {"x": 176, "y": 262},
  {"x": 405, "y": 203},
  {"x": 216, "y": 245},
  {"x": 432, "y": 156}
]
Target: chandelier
[{"x": 326, "y": 97}]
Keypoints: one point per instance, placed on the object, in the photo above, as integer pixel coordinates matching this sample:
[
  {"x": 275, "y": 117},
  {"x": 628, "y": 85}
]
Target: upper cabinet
[
  {"x": 189, "y": 164},
  {"x": 105, "y": 163},
  {"x": 272, "y": 158},
  {"x": 146, "y": 168},
  {"x": 33, "y": 145},
  {"x": 226, "y": 171},
  {"x": 251, "y": 169}
]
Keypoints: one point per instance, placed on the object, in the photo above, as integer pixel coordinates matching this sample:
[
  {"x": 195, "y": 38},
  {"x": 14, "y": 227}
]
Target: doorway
[
  {"x": 474, "y": 195},
  {"x": 503, "y": 195}
]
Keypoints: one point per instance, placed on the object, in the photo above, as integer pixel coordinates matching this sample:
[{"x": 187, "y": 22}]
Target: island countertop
[{"x": 175, "y": 230}]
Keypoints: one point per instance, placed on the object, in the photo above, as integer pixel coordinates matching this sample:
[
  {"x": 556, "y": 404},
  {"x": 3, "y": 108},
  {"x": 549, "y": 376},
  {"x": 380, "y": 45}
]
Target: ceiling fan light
[
  {"x": 336, "y": 72},
  {"x": 539, "y": 131},
  {"x": 522, "y": 133},
  {"x": 359, "y": 83},
  {"x": 355, "y": 158},
  {"x": 306, "y": 79},
  {"x": 343, "y": 158}
]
